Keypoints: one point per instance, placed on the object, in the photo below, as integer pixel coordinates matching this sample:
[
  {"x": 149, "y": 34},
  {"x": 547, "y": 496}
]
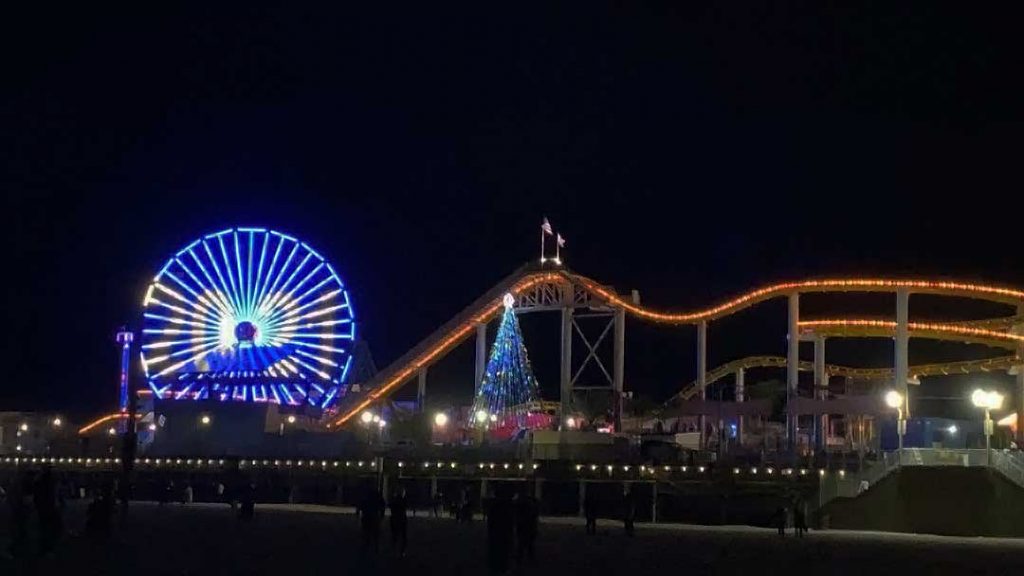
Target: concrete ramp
[{"x": 935, "y": 500}]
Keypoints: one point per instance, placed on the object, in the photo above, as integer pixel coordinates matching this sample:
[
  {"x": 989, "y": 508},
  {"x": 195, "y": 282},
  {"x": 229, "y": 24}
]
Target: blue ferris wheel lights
[
  {"x": 256, "y": 312},
  {"x": 313, "y": 252},
  {"x": 344, "y": 373}
]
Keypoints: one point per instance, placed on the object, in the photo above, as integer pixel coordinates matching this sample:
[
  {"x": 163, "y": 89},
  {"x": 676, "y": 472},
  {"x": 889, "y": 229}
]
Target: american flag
[{"x": 546, "y": 227}]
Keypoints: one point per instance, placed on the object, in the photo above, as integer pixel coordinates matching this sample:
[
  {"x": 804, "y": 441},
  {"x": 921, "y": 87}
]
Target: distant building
[{"x": 36, "y": 433}]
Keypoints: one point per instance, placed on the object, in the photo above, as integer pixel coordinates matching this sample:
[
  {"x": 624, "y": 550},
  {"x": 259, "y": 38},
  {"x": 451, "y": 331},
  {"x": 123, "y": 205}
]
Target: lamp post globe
[
  {"x": 979, "y": 398},
  {"x": 988, "y": 401},
  {"x": 894, "y": 399}
]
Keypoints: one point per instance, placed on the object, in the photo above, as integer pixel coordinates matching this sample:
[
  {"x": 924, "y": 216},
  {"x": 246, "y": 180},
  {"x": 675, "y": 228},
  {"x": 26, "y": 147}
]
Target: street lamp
[
  {"x": 368, "y": 418},
  {"x": 440, "y": 419},
  {"x": 481, "y": 425},
  {"x": 57, "y": 422},
  {"x": 205, "y": 420},
  {"x": 989, "y": 401},
  {"x": 895, "y": 400}
]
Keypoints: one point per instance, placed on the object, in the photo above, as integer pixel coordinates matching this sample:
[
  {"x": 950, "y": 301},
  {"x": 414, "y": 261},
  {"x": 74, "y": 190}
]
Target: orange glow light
[
  {"x": 943, "y": 328},
  {"x": 100, "y": 421},
  {"x": 980, "y": 291}
]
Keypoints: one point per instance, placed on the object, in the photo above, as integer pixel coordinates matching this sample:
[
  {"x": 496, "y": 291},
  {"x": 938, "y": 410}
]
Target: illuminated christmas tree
[{"x": 508, "y": 385}]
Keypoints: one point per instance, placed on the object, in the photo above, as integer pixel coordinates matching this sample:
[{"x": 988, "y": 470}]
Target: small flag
[
  {"x": 561, "y": 241},
  {"x": 546, "y": 227}
]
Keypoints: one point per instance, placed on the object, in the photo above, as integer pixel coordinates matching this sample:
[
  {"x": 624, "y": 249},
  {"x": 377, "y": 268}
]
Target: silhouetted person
[
  {"x": 17, "y": 499},
  {"x": 371, "y": 511},
  {"x": 465, "y": 507},
  {"x": 436, "y": 503},
  {"x": 500, "y": 525},
  {"x": 399, "y": 521},
  {"x": 44, "y": 498},
  {"x": 99, "y": 512},
  {"x": 779, "y": 518},
  {"x": 166, "y": 492},
  {"x": 590, "y": 507},
  {"x": 800, "y": 518},
  {"x": 527, "y": 515},
  {"x": 628, "y": 510},
  {"x": 248, "y": 511}
]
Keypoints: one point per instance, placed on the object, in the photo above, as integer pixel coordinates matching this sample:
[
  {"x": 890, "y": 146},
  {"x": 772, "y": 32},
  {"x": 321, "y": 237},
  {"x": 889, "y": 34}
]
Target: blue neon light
[
  {"x": 298, "y": 310},
  {"x": 313, "y": 252}
]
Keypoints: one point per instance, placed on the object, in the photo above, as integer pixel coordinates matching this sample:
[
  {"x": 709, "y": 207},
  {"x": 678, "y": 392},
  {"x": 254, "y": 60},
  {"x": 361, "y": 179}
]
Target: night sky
[{"x": 690, "y": 153}]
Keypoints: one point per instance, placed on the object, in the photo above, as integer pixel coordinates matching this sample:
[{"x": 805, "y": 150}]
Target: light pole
[
  {"x": 481, "y": 425},
  {"x": 367, "y": 418},
  {"x": 989, "y": 401},
  {"x": 440, "y": 422},
  {"x": 895, "y": 400}
]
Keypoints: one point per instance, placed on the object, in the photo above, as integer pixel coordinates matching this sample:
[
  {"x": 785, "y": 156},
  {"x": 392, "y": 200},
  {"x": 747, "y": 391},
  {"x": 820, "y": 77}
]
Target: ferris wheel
[{"x": 250, "y": 315}]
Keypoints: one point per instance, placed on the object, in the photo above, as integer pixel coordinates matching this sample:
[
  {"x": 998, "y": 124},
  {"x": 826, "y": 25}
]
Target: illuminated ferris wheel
[{"x": 250, "y": 315}]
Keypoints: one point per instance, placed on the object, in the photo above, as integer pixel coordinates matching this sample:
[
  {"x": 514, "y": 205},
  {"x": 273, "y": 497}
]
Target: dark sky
[{"x": 690, "y": 153}]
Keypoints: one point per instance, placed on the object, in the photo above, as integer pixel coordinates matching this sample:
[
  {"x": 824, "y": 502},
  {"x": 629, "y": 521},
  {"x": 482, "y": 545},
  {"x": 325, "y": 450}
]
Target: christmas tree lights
[{"x": 508, "y": 386}]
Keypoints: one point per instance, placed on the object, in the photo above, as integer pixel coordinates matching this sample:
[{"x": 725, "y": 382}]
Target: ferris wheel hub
[{"x": 245, "y": 332}]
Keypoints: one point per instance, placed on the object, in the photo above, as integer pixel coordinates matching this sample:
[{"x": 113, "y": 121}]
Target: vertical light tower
[{"x": 124, "y": 338}]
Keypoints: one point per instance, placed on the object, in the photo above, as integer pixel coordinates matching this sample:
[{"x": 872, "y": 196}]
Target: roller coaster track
[
  {"x": 938, "y": 369},
  {"x": 527, "y": 278}
]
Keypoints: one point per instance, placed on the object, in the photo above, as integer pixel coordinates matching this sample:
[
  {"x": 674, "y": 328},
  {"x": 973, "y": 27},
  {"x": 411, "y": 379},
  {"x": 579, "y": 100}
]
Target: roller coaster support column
[
  {"x": 565, "y": 380},
  {"x": 1018, "y": 398},
  {"x": 421, "y": 389},
  {"x": 792, "y": 368},
  {"x": 619, "y": 367},
  {"x": 820, "y": 392},
  {"x": 740, "y": 393},
  {"x": 702, "y": 375},
  {"x": 902, "y": 364},
  {"x": 481, "y": 354}
]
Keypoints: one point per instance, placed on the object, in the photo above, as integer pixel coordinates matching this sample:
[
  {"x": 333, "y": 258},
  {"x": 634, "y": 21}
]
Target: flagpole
[
  {"x": 542, "y": 245},
  {"x": 558, "y": 247}
]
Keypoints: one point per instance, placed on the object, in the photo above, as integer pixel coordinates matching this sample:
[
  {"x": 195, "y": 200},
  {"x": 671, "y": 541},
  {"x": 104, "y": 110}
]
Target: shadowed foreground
[
  {"x": 948, "y": 500},
  {"x": 201, "y": 539}
]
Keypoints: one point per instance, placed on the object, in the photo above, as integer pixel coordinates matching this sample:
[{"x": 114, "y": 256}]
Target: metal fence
[
  {"x": 854, "y": 483},
  {"x": 943, "y": 457},
  {"x": 1009, "y": 464}
]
